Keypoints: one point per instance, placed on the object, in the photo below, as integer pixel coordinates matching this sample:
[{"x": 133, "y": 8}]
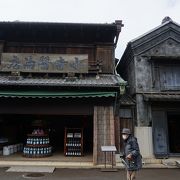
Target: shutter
[
  {"x": 167, "y": 80},
  {"x": 176, "y": 75},
  {"x": 170, "y": 77},
  {"x": 106, "y": 55},
  {"x": 162, "y": 77},
  {"x": 160, "y": 140}
]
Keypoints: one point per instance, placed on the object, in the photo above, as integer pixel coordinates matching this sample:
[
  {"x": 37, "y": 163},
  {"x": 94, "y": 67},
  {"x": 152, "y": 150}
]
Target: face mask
[{"x": 124, "y": 136}]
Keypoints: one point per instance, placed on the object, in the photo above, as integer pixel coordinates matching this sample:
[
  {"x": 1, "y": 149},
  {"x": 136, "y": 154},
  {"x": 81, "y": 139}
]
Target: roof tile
[{"x": 103, "y": 81}]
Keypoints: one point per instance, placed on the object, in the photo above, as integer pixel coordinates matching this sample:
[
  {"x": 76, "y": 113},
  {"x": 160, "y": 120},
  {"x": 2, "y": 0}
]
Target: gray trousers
[{"x": 131, "y": 175}]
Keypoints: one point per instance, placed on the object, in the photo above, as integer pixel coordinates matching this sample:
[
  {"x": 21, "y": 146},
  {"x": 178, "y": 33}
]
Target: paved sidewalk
[{"x": 96, "y": 174}]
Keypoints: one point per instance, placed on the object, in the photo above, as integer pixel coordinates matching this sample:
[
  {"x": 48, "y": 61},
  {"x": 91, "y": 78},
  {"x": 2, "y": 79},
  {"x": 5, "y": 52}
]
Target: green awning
[{"x": 52, "y": 94}]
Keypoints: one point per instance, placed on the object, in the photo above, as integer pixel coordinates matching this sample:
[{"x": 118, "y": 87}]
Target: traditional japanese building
[
  {"x": 57, "y": 76},
  {"x": 151, "y": 66}
]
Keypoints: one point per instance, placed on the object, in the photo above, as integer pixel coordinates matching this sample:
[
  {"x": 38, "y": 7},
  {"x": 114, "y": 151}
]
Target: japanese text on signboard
[{"x": 62, "y": 63}]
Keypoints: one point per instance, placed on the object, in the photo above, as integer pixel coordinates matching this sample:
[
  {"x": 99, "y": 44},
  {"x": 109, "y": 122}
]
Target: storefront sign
[{"x": 48, "y": 63}]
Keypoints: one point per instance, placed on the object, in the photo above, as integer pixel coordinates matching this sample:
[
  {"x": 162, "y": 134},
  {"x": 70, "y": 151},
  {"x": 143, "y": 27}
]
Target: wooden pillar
[
  {"x": 117, "y": 132},
  {"x": 95, "y": 145},
  {"x": 104, "y": 132},
  {"x": 1, "y": 46}
]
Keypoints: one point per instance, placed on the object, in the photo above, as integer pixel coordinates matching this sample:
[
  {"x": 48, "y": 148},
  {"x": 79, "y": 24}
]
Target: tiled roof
[
  {"x": 162, "y": 97},
  {"x": 127, "y": 100},
  {"x": 53, "y": 32},
  {"x": 154, "y": 29},
  {"x": 90, "y": 81}
]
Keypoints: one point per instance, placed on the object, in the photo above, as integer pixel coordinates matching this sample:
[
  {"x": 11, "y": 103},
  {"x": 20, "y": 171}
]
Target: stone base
[{"x": 109, "y": 170}]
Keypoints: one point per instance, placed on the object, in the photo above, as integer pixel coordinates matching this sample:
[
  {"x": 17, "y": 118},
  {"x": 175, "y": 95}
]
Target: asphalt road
[{"x": 95, "y": 174}]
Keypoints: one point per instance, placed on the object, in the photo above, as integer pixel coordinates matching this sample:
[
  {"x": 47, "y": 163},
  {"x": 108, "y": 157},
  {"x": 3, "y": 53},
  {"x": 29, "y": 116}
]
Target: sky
[{"x": 138, "y": 16}]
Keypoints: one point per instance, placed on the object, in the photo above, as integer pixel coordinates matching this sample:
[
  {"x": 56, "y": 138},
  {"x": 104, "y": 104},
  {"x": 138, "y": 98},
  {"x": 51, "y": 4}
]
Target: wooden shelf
[
  {"x": 73, "y": 142},
  {"x": 36, "y": 156},
  {"x": 37, "y": 135},
  {"x": 37, "y": 146}
]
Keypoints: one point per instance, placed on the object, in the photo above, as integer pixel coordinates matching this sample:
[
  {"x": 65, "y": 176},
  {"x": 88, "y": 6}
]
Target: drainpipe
[{"x": 119, "y": 25}]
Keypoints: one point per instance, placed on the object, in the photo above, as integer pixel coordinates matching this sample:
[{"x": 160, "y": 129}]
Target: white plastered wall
[{"x": 144, "y": 136}]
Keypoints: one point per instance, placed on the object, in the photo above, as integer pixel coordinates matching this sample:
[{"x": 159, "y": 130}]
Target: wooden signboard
[{"x": 47, "y": 63}]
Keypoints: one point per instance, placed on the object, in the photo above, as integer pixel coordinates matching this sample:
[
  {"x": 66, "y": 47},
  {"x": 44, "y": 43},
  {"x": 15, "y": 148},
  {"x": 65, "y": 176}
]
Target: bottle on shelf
[
  {"x": 37, "y": 145},
  {"x": 73, "y": 142}
]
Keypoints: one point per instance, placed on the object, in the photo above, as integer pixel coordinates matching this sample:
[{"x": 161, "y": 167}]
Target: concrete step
[
  {"x": 172, "y": 162},
  {"x": 45, "y": 163},
  {"x": 178, "y": 164},
  {"x": 145, "y": 160},
  {"x": 153, "y": 163}
]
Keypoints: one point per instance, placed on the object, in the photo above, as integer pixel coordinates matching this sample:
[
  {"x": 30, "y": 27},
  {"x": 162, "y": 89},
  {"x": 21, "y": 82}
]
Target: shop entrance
[
  {"x": 15, "y": 129},
  {"x": 173, "y": 130}
]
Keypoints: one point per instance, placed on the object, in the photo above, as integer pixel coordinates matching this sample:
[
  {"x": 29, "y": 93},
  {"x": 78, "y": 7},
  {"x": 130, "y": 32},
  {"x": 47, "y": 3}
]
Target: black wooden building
[
  {"x": 62, "y": 74},
  {"x": 151, "y": 65}
]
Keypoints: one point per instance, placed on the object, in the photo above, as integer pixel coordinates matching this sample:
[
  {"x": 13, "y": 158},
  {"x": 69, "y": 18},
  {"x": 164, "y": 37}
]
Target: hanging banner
[{"x": 47, "y": 63}]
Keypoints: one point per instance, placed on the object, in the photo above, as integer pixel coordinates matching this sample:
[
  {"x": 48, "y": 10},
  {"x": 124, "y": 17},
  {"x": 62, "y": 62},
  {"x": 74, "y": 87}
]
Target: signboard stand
[{"x": 108, "y": 149}]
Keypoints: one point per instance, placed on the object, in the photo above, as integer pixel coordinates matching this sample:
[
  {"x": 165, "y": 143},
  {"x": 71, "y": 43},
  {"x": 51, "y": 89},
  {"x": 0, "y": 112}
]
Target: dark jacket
[{"x": 131, "y": 147}]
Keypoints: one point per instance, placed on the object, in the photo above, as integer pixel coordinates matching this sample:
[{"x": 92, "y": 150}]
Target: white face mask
[{"x": 125, "y": 136}]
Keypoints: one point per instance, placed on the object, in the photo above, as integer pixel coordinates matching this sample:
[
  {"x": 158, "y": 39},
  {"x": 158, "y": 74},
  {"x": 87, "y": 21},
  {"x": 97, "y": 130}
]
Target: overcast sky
[{"x": 138, "y": 16}]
